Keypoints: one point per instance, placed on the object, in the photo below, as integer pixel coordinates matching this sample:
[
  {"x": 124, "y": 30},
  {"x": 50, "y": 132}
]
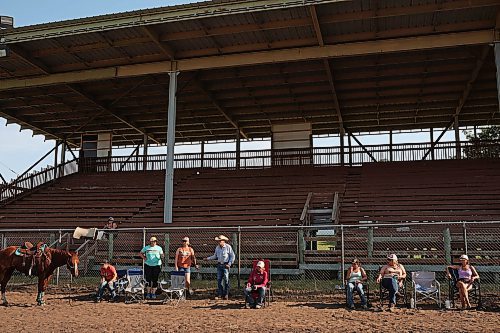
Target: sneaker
[
  {"x": 247, "y": 306},
  {"x": 97, "y": 300},
  {"x": 392, "y": 307},
  {"x": 217, "y": 298},
  {"x": 226, "y": 297},
  {"x": 364, "y": 307},
  {"x": 258, "y": 306},
  {"x": 352, "y": 307},
  {"x": 191, "y": 292}
]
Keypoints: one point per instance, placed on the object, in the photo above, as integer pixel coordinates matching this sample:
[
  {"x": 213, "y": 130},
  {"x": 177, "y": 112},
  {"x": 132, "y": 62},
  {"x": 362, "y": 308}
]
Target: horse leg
[
  {"x": 5, "y": 279},
  {"x": 41, "y": 290}
]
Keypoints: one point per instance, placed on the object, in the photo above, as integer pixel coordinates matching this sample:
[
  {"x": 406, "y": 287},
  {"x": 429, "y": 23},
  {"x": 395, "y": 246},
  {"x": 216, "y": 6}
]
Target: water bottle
[
  {"x": 447, "y": 304},
  {"x": 412, "y": 303}
]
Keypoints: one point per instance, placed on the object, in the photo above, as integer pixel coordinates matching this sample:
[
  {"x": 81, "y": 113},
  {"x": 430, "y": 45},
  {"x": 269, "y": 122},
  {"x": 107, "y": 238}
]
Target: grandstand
[{"x": 233, "y": 71}]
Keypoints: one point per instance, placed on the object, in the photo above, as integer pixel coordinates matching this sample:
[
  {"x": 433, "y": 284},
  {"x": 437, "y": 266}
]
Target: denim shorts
[{"x": 185, "y": 269}]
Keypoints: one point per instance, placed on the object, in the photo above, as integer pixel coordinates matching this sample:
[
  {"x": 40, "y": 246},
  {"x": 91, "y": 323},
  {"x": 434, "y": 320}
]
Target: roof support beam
[
  {"x": 326, "y": 63},
  {"x": 154, "y": 36},
  {"x": 221, "y": 109},
  {"x": 90, "y": 98},
  {"x": 263, "y": 57}
]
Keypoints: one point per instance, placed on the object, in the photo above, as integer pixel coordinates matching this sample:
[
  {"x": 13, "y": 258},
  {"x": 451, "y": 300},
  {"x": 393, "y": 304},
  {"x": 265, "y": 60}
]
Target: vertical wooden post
[
  {"x": 110, "y": 246},
  {"x": 342, "y": 157},
  {"x": 390, "y": 146},
  {"x": 432, "y": 143},
  {"x": 458, "y": 149},
  {"x": 167, "y": 249},
  {"x": 62, "y": 158},
  {"x": 238, "y": 150},
  {"x": 350, "y": 148},
  {"x": 145, "y": 153},
  {"x": 202, "y": 154},
  {"x": 301, "y": 246},
  {"x": 447, "y": 245},
  {"x": 370, "y": 245},
  {"x": 56, "y": 150}
]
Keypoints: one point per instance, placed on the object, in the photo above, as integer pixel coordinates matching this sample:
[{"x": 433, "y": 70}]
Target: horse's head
[{"x": 72, "y": 263}]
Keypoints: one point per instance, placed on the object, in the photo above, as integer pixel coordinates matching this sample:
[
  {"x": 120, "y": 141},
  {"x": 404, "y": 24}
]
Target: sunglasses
[{"x": 184, "y": 241}]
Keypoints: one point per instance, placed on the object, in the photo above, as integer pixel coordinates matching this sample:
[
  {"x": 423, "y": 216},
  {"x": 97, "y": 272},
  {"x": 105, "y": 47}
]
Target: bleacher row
[{"x": 374, "y": 193}]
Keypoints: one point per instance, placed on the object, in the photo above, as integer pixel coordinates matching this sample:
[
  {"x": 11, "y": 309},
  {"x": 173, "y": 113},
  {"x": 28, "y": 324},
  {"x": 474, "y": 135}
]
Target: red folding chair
[{"x": 269, "y": 292}]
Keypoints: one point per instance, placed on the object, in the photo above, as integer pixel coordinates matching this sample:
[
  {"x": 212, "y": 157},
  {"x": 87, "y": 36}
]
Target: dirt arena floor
[{"x": 80, "y": 314}]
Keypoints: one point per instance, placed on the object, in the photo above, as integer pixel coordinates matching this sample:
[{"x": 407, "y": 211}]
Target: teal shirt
[{"x": 153, "y": 255}]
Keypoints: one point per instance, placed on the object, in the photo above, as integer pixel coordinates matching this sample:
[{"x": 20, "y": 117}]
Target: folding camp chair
[
  {"x": 366, "y": 289},
  {"x": 384, "y": 293},
  {"x": 121, "y": 282},
  {"x": 453, "y": 293},
  {"x": 425, "y": 287},
  {"x": 175, "y": 289},
  {"x": 134, "y": 289},
  {"x": 269, "y": 291}
]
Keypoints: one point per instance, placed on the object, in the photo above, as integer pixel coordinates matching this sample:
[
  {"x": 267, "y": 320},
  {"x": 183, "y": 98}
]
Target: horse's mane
[{"x": 61, "y": 252}]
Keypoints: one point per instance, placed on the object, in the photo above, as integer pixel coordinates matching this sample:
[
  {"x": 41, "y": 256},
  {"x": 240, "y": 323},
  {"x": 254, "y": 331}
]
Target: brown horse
[{"x": 44, "y": 266}]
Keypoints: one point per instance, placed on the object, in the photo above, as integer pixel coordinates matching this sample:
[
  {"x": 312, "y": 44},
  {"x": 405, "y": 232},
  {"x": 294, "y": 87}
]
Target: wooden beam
[
  {"x": 78, "y": 90},
  {"x": 263, "y": 57},
  {"x": 326, "y": 64},
  {"x": 468, "y": 87},
  {"x": 219, "y": 107},
  {"x": 164, "y": 47},
  {"x": 363, "y": 147}
]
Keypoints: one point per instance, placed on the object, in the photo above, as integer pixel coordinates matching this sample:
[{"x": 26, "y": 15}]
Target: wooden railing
[
  {"x": 28, "y": 182},
  {"x": 326, "y": 156}
]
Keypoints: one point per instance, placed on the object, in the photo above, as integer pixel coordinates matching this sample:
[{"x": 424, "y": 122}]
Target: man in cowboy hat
[{"x": 225, "y": 257}]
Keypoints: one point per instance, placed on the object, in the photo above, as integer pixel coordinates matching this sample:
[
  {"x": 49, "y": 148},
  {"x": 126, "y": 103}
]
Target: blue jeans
[
  {"x": 391, "y": 284},
  {"x": 259, "y": 300},
  {"x": 222, "y": 280},
  {"x": 350, "y": 293},
  {"x": 106, "y": 285}
]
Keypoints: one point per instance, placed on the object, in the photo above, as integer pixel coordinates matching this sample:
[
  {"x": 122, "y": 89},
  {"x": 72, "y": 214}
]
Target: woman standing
[
  {"x": 466, "y": 276},
  {"x": 184, "y": 259},
  {"x": 392, "y": 276},
  {"x": 152, "y": 255}
]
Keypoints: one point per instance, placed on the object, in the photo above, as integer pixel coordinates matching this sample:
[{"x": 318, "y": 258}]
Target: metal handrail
[{"x": 335, "y": 207}]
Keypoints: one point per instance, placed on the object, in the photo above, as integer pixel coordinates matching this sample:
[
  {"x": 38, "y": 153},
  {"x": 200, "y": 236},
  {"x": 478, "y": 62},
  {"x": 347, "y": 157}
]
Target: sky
[{"x": 20, "y": 149}]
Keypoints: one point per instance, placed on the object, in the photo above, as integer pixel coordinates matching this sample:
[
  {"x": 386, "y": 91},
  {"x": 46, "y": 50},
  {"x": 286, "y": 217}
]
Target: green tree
[{"x": 485, "y": 145}]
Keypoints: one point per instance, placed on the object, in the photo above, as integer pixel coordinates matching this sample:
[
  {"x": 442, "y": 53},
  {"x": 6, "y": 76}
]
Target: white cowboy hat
[
  {"x": 153, "y": 239},
  {"x": 464, "y": 257},
  {"x": 221, "y": 237}
]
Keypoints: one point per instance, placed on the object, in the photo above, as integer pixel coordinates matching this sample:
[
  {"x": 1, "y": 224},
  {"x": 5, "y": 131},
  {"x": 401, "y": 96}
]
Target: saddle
[{"x": 32, "y": 256}]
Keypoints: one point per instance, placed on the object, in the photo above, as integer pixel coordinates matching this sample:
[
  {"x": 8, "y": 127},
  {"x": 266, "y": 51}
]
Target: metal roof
[{"x": 358, "y": 65}]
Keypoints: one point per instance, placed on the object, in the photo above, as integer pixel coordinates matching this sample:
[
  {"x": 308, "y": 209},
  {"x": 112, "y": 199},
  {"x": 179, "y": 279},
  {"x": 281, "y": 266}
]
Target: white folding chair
[
  {"x": 134, "y": 290},
  {"x": 175, "y": 289},
  {"x": 426, "y": 287}
]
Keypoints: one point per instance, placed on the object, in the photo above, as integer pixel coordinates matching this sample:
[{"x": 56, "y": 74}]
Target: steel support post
[{"x": 169, "y": 174}]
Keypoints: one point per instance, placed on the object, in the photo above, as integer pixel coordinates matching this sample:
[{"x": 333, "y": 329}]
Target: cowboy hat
[
  {"x": 464, "y": 257},
  {"x": 153, "y": 239},
  {"x": 261, "y": 264},
  {"x": 186, "y": 239},
  {"x": 221, "y": 237}
]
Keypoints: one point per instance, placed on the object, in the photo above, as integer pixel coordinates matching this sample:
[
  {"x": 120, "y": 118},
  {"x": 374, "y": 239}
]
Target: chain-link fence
[{"x": 308, "y": 261}]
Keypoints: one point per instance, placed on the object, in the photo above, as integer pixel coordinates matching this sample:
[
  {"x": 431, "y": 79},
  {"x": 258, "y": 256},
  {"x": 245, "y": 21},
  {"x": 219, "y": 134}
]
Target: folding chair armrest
[
  {"x": 413, "y": 284},
  {"x": 438, "y": 284}
]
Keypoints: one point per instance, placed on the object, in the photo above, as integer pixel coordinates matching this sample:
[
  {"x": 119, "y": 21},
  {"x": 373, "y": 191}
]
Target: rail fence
[{"x": 310, "y": 260}]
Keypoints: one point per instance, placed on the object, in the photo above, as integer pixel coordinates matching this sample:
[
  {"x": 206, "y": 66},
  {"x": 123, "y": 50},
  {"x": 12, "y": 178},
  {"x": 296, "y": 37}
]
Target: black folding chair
[
  {"x": 453, "y": 293},
  {"x": 384, "y": 293}
]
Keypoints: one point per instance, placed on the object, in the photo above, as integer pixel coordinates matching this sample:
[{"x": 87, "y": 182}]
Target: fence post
[
  {"x": 110, "y": 246},
  {"x": 302, "y": 246},
  {"x": 464, "y": 228},
  {"x": 143, "y": 244},
  {"x": 342, "y": 254},
  {"x": 167, "y": 250},
  {"x": 447, "y": 245},
  {"x": 57, "y": 273},
  {"x": 239, "y": 257}
]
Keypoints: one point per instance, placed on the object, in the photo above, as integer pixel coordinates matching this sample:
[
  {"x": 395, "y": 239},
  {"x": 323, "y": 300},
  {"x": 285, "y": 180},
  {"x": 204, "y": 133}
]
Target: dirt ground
[{"x": 80, "y": 314}]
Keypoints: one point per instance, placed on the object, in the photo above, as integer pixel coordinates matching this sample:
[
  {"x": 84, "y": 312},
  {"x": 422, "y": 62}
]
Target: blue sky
[{"x": 18, "y": 150}]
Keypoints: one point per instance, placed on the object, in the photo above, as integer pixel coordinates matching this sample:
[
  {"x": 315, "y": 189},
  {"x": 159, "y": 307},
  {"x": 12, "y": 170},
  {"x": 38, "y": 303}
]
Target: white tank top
[{"x": 355, "y": 276}]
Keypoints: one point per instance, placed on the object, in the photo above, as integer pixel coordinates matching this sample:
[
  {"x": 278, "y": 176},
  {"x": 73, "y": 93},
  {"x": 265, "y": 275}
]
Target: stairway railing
[{"x": 305, "y": 216}]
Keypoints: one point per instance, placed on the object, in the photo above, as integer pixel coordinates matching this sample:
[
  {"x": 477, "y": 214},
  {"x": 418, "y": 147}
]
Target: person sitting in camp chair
[
  {"x": 391, "y": 277},
  {"x": 257, "y": 283},
  {"x": 355, "y": 277},
  {"x": 466, "y": 276},
  {"x": 108, "y": 279}
]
